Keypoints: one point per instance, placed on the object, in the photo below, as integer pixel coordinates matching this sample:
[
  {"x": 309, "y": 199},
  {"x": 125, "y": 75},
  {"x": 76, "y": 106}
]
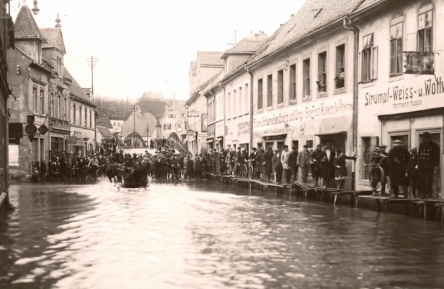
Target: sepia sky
[{"x": 147, "y": 45}]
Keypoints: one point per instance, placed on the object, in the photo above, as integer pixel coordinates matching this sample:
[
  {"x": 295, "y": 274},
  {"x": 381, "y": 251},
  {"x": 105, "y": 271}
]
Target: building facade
[{"x": 400, "y": 97}]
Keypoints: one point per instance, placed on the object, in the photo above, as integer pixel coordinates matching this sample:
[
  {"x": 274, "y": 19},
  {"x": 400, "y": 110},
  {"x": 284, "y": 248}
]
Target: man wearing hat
[
  {"x": 253, "y": 160},
  {"x": 277, "y": 166},
  {"x": 293, "y": 164},
  {"x": 397, "y": 162},
  {"x": 304, "y": 162},
  {"x": 412, "y": 172},
  {"x": 316, "y": 162},
  {"x": 378, "y": 169},
  {"x": 284, "y": 160},
  {"x": 428, "y": 159}
]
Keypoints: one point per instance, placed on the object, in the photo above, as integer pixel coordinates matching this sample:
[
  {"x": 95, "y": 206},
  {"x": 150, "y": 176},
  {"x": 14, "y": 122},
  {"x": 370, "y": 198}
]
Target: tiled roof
[
  {"x": 75, "y": 89},
  {"x": 142, "y": 119},
  {"x": 25, "y": 26},
  {"x": 54, "y": 39},
  {"x": 151, "y": 96},
  {"x": 210, "y": 58},
  {"x": 312, "y": 16},
  {"x": 154, "y": 107},
  {"x": 104, "y": 121},
  {"x": 104, "y": 132},
  {"x": 245, "y": 46},
  {"x": 366, "y": 3}
]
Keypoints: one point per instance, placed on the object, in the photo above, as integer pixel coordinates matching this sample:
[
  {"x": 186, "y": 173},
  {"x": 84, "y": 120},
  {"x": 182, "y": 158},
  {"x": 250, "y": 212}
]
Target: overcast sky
[{"x": 147, "y": 45}]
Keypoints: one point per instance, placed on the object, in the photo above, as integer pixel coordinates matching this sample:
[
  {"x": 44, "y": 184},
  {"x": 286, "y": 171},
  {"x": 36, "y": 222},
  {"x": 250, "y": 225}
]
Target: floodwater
[{"x": 202, "y": 235}]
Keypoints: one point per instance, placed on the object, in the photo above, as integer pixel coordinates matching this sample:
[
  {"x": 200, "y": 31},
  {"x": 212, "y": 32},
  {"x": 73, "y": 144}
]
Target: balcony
[{"x": 55, "y": 123}]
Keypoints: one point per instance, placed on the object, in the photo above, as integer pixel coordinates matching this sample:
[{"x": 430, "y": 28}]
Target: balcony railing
[{"x": 59, "y": 123}]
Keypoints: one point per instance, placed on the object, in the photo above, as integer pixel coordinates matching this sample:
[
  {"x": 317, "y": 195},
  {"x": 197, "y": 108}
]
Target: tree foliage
[{"x": 113, "y": 108}]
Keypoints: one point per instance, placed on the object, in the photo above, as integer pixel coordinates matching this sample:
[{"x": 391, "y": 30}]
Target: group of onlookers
[
  {"x": 413, "y": 171},
  {"x": 67, "y": 166}
]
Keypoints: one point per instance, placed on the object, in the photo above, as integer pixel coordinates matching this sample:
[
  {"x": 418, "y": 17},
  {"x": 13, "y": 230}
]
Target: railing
[{"x": 59, "y": 123}]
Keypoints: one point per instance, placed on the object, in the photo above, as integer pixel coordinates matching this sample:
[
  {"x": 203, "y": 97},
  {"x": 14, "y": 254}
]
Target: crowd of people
[{"x": 412, "y": 170}]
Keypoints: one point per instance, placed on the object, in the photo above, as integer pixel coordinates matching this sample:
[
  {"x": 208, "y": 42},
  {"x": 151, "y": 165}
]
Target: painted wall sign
[
  {"x": 243, "y": 128},
  {"x": 401, "y": 96},
  {"x": 305, "y": 112}
]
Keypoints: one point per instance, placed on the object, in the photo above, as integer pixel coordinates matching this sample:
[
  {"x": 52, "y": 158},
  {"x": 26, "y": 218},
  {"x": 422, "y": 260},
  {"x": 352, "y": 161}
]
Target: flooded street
[{"x": 200, "y": 235}]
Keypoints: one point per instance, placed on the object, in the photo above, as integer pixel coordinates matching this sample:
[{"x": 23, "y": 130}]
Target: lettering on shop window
[
  {"x": 310, "y": 112},
  {"x": 405, "y": 96}
]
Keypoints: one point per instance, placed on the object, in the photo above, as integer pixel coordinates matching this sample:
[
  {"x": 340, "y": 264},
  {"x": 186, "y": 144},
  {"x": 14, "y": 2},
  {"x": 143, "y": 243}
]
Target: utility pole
[{"x": 92, "y": 63}]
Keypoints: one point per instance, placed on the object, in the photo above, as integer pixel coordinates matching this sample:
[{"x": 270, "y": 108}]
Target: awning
[
  {"x": 274, "y": 136},
  {"x": 220, "y": 137},
  {"x": 331, "y": 133},
  {"x": 210, "y": 139}
]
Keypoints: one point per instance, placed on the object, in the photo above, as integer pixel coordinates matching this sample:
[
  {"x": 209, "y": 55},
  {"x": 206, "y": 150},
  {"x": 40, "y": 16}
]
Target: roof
[
  {"x": 104, "y": 132},
  {"x": 54, "y": 39},
  {"x": 151, "y": 96},
  {"x": 155, "y": 107},
  {"x": 75, "y": 89},
  {"x": 25, "y": 26},
  {"x": 366, "y": 4},
  {"x": 210, "y": 58},
  {"x": 142, "y": 120},
  {"x": 245, "y": 46},
  {"x": 104, "y": 121},
  {"x": 311, "y": 17}
]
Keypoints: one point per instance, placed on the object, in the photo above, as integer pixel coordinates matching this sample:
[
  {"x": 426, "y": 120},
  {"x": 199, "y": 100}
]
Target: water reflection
[{"x": 195, "y": 235}]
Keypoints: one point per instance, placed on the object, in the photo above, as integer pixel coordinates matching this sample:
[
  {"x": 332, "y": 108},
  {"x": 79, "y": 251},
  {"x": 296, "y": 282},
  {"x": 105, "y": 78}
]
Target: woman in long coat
[
  {"x": 268, "y": 163},
  {"x": 340, "y": 168}
]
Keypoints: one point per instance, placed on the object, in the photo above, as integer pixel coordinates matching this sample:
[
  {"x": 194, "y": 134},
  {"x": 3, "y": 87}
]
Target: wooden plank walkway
[
  {"x": 355, "y": 194},
  {"x": 386, "y": 200}
]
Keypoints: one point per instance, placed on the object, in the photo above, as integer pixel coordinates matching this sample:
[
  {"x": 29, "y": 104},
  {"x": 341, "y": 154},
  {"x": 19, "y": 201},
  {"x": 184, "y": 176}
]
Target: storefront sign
[
  {"x": 192, "y": 113},
  {"x": 406, "y": 96},
  {"x": 309, "y": 111},
  {"x": 204, "y": 122}
]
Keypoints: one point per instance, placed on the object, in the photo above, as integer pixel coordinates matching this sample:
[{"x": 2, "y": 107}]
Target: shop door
[
  {"x": 437, "y": 178},
  {"x": 280, "y": 145},
  {"x": 268, "y": 144},
  {"x": 337, "y": 141}
]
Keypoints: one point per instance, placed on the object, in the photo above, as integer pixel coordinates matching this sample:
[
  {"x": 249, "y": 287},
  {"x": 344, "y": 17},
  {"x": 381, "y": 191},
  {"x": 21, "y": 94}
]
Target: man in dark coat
[
  {"x": 328, "y": 169},
  {"x": 293, "y": 165},
  {"x": 397, "y": 162},
  {"x": 378, "y": 169},
  {"x": 277, "y": 166},
  {"x": 428, "y": 159},
  {"x": 316, "y": 163},
  {"x": 253, "y": 160}
]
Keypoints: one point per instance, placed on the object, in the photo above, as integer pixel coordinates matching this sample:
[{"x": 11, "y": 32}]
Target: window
[
  {"x": 340, "y": 66},
  {"x": 235, "y": 108},
  {"x": 396, "y": 49},
  {"x": 80, "y": 116},
  {"x": 306, "y": 79},
  {"x": 270, "y": 90},
  {"x": 34, "y": 99},
  {"x": 86, "y": 117},
  {"x": 42, "y": 99},
  {"x": 322, "y": 72},
  {"x": 241, "y": 100},
  {"x": 167, "y": 126},
  {"x": 366, "y": 157},
  {"x": 74, "y": 113},
  {"x": 171, "y": 116},
  {"x": 228, "y": 106},
  {"x": 247, "y": 99},
  {"x": 51, "y": 105},
  {"x": 280, "y": 86},
  {"x": 425, "y": 37},
  {"x": 65, "y": 117},
  {"x": 369, "y": 59},
  {"x": 90, "y": 119},
  {"x": 58, "y": 107},
  {"x": 293, "y": 82},
  {"x": 260, "y": 96}
]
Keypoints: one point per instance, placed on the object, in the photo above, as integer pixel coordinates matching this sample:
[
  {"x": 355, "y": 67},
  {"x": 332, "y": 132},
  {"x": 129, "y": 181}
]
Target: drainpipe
[
  {"x": 251, "y": 107},
  {"x": 348, "y": 25}
]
